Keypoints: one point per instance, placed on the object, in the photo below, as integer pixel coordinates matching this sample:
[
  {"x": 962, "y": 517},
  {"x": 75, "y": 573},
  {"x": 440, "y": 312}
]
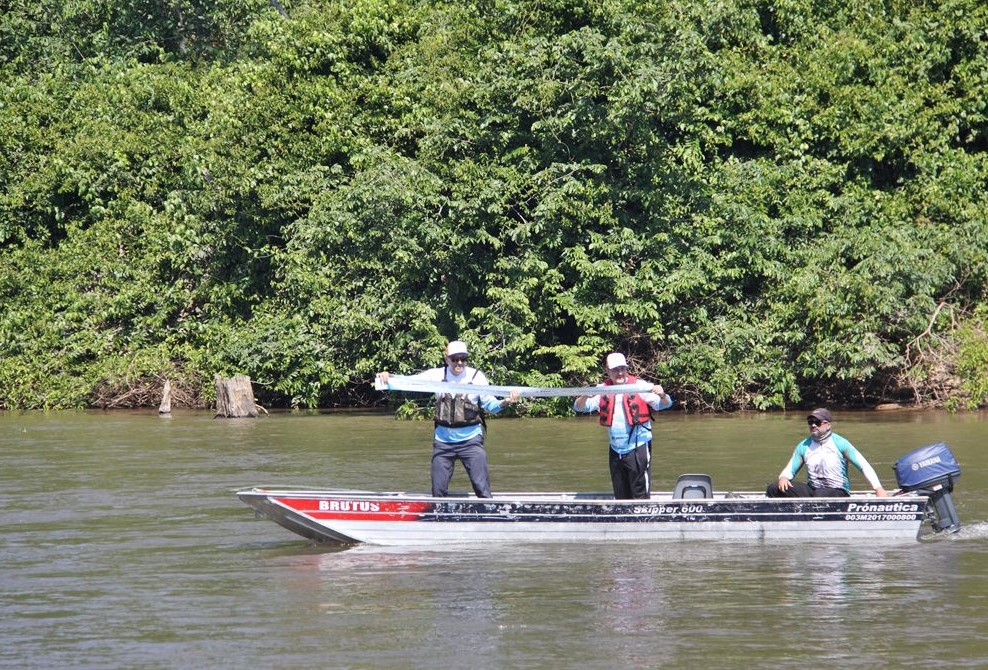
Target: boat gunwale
[{"x": 563, "y": 496}]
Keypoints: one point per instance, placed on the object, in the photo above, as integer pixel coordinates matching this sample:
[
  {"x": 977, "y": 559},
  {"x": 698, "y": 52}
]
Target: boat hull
[{"x": 417, "y": 520}]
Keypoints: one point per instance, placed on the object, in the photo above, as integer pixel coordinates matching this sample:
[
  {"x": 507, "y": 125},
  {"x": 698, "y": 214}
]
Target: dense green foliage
[{"x": 763, "y": 202}]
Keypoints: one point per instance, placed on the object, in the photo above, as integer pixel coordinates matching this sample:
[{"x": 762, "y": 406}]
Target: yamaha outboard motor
[{"x": 932, "y": 470}]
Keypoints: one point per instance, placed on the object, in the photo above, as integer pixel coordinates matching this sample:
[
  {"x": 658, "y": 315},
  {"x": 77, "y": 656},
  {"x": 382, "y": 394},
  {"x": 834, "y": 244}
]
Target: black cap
[{"x": 820, "y": 413}]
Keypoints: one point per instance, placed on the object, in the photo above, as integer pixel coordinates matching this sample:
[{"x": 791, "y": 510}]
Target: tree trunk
[
  {"x": 234, "y": 397},
  {"x": 166, "y": 399}
]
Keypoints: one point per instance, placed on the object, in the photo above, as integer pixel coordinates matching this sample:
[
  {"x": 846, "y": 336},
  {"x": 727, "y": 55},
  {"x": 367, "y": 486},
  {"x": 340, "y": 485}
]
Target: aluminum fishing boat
[{"x": 692, "y": 511}]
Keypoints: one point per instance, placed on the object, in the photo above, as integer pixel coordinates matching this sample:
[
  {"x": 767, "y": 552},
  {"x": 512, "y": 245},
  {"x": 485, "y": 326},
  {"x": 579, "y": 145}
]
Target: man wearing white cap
[
  {"x": 459, "y": 422},
  {"x": 628, "y": 418}
]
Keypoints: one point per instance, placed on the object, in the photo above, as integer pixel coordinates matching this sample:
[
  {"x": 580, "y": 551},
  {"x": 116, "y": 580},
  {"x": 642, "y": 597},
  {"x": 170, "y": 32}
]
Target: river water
[{"x": 122, "y": 545}]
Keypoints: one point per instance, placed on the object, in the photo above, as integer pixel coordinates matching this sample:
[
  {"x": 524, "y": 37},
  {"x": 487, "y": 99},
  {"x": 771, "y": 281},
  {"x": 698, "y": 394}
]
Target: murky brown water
[{"x": 123, "y": 546}]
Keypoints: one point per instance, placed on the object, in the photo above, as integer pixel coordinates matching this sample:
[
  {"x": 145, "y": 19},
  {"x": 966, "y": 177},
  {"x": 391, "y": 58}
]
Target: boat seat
[{"x": 693, "y": 486}]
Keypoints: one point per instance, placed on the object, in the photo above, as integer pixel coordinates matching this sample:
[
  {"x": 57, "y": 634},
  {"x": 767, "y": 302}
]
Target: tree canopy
[{"x": 764, "y": 203}]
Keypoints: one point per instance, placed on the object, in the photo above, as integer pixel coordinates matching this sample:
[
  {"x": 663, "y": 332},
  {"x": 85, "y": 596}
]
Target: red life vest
[{"x": 636, "y": 410}]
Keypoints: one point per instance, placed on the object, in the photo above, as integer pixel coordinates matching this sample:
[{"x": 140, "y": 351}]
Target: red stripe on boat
[{"x": 377, "y": 510}]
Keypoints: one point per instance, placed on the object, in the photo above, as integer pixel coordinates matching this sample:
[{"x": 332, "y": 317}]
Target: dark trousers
[
  {"x": 631, "y": 473},
  {"x": 800, "y": 490},
  {"x": 474, "y": 458}
]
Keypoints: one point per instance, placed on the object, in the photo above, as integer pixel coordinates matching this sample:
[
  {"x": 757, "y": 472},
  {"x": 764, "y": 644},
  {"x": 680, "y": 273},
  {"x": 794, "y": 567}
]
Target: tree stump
[
  {"x": 234, "y": 397},
  {"x": 166, "y": 399}
]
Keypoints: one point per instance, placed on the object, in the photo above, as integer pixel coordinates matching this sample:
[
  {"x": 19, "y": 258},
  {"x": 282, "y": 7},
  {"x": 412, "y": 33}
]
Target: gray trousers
[{"x": 474, "y": 457}]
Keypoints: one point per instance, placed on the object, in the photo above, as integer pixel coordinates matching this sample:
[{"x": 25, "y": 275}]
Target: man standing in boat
[
  {"x": 459, "y": 419},
  {"x": 825, "y": 455},
  {"x": 628, "y": 419}
]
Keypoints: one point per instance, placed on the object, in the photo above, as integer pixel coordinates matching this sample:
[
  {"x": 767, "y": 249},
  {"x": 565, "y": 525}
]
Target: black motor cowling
[{"x": 932, "y": 470}]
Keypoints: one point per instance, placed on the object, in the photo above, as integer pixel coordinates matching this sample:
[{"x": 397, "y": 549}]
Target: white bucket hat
[
  {"x": 456, "y": 347},
  {"x": 616, "y": 361}
]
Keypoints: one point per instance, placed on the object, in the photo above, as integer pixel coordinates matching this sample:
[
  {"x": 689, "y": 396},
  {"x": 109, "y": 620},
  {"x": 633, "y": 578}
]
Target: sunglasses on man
[
  {"x": 814, "y": 422},
  {"x": 457, "y": 359}
]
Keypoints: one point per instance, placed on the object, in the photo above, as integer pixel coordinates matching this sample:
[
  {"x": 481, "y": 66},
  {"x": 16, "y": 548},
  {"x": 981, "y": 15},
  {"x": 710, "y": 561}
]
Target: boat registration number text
[{"x": 882, "y": 512}]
